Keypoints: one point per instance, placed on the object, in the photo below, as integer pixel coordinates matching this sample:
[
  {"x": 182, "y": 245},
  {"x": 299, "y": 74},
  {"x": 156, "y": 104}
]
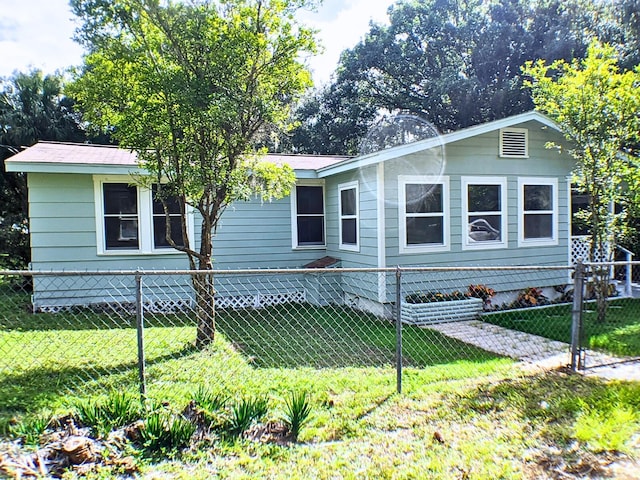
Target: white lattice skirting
[{"x": 234, "y": 302}]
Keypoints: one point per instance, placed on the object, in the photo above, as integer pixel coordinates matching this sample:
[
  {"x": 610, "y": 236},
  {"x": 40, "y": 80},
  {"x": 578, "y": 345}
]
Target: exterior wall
[
  {"x": 478, "y": 156},
  {"x": 63, "y": 237},
  {"x": 355, "y": 285}
]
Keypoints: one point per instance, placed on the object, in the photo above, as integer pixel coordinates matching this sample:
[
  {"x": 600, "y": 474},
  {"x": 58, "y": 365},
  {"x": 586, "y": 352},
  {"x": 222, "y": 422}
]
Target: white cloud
[
  {"x": 37, "y": 33},
  {"x": 341, "y": 28}
]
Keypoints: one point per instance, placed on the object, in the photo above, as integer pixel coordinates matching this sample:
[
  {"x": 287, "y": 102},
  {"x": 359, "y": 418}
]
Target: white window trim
[
  {"x": 488, "y": 245},
  {"x": 145, "y": 220},
  {"x": 537, "y": 242},
  {"x": 403, "y": 180},
  {"x": 347, "y": 246},
  {"x": 526, "y": 142},
  {"x": 294, "y": 215}
]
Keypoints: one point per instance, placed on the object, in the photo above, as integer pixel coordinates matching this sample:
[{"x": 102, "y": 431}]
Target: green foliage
[
  {"x": 212, "y": 406},
  {"x": 429, "y": 297},
  {"x": 596, "y": 107},
  {"x": 245, "y": 413},
  {"x": 32, "y": 108},
  {"x": 454, "y": 64},
  {"x": 116, "y": 410},
  {"x": 30, "y": 429},
  {"x": 297, "y": 412},
  {"x": 163, "y": 431},
  {"x": 191, "y": 87}
]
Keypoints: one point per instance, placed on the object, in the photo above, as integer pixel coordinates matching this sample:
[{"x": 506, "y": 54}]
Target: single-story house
[{"x": 491, "y": 194}]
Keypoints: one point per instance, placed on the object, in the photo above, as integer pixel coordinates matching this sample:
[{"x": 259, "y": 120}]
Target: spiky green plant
[
  {"x": 30, "y": 429},
  {"x": 297, "y": 412},
  {"x": 244, "y": 413},
  {"x": 103, "y": 416},
  {"x": 165, "y": 431}
]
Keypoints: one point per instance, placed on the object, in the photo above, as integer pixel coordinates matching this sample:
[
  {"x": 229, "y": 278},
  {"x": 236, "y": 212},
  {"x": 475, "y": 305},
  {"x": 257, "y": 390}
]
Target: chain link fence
[{"x": 84, "y": 333}]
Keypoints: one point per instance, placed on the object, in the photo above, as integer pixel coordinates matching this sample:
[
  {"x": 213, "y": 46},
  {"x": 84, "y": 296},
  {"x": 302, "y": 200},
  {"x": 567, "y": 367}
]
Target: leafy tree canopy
[
  {"x": 191, "y": 88},
  {"x": 32, "y": 108},
  {"x": 598, "y": 109},
  {"x": 454, "y": 63}
]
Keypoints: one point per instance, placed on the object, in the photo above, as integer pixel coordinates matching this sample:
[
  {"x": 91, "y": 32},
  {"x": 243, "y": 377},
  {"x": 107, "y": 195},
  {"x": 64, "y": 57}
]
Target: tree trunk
[{"x": 205, "y": 308}]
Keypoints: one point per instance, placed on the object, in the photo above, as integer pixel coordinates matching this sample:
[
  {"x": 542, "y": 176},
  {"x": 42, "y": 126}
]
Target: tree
[
  {"x": 32, "y": 108},
  {"x": 191, "y": 87},
  {"x": 454, "y": 63},
  {"x": 598, "y": 109}
]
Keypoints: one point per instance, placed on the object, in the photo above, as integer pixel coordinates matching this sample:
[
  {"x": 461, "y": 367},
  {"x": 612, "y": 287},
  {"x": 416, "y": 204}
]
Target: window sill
[
  {"x": 538, "y": 243},
  {"x": 138, "y": 253},
  {"x": 404, "y": 250},
  {"x": 349, "y": 248}
]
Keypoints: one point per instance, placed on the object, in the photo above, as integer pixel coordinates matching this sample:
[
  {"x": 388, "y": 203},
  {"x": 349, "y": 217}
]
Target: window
[
  {"x": 514, "y": 143},
  {"x": 538, "y": 201},
  {"x": 120, "y": 216},
  {"x": 348, "y": 212},
  {"x": 308, "y": 216},
  {"x": 130, "y": 220},
  {"x": 424, "y": 214},
  {"x": 484, "y": 207},
  {"x": 160, "y": 220}
]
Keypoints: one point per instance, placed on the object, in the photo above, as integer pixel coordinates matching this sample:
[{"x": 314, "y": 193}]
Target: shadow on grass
[
  {"x": 38, "y": 387},
  {"x": 302, "y": 335}
]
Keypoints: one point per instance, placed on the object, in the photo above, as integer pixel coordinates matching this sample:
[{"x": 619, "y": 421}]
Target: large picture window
[
  {"x": 538, "y": 200},
  {"x": 308, "y": 213},
  {"x": 484, "y": 206},
  {"x": 130, "y": 220},
  {"x": 348, "y": 211},
  {"x": 424, "y": 214}
]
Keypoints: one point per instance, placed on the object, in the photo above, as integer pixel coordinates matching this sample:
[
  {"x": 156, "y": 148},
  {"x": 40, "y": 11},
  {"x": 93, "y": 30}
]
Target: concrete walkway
[{"x": 536, "y": 350}]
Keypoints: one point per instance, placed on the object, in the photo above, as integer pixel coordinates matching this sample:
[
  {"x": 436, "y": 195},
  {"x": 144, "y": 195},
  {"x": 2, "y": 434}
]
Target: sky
[{"x": 37, "y": 33}]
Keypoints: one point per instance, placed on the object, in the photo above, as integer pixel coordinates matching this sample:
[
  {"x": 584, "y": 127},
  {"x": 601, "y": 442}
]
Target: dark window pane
[
  {"x": 348, "y": 201},
  {"x": 538, "y": 197},
  {"x": 310, "y": 230},
  {"x": 159, "y": 231},
  {"x": 158, "y": 208},
  {"x": 425, "y": 230},
  {"x": 120, "y": 198},
  {"x": 121, "y": 232},
  {"x": 538, "y": 226},
  {"x": 424, "y": 198},
  {"x": 484, "y": 198},
  {"x": 309, "y": 200},
  {"x": 349, "y": 234},
  {"x": 485, "y": 228}
]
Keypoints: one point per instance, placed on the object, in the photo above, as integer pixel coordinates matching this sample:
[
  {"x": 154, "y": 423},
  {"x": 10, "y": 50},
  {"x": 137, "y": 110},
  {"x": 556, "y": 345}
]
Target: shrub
[
  {"x": 531, "y": 297},
  {"x": 481, "y": 291},
  {"x": 429, "y": 297}
]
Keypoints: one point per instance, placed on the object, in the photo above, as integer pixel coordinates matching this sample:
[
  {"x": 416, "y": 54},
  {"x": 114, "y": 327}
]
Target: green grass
[
  {"x": 618, "y": 335},
  {"x": 491, "y": 419}
]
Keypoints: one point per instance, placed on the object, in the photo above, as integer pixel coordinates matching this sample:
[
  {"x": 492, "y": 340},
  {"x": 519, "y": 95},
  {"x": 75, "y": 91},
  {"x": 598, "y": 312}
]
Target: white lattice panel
[
  {"x": 580, "y": 247},
  {"x": 238, "y": 302}
]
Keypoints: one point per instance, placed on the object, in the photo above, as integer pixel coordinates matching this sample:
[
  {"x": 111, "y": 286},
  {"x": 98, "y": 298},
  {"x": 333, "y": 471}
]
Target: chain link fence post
[
  {"x": 140, "y": 335},
  {"x": 576, "y": 317},
  {"x": 398, "y": 330}
]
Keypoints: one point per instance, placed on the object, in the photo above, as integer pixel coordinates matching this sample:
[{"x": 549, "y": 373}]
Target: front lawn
[
  {"x": 618, "y": 335},
  {"x": 464, "y": 413}
]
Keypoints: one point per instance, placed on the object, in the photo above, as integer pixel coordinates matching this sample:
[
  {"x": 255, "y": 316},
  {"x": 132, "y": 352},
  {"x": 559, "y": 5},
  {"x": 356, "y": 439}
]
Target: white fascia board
[
  {"x": 402, "y": 150},
  {"x": 91, "y": 169}
]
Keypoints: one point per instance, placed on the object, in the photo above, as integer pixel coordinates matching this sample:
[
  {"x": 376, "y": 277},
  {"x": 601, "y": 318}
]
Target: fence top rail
[{"x": 291, "y": 271}]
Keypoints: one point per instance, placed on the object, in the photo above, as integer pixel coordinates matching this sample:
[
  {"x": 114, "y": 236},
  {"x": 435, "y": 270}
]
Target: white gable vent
[{"x": 513, "y": 143}]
